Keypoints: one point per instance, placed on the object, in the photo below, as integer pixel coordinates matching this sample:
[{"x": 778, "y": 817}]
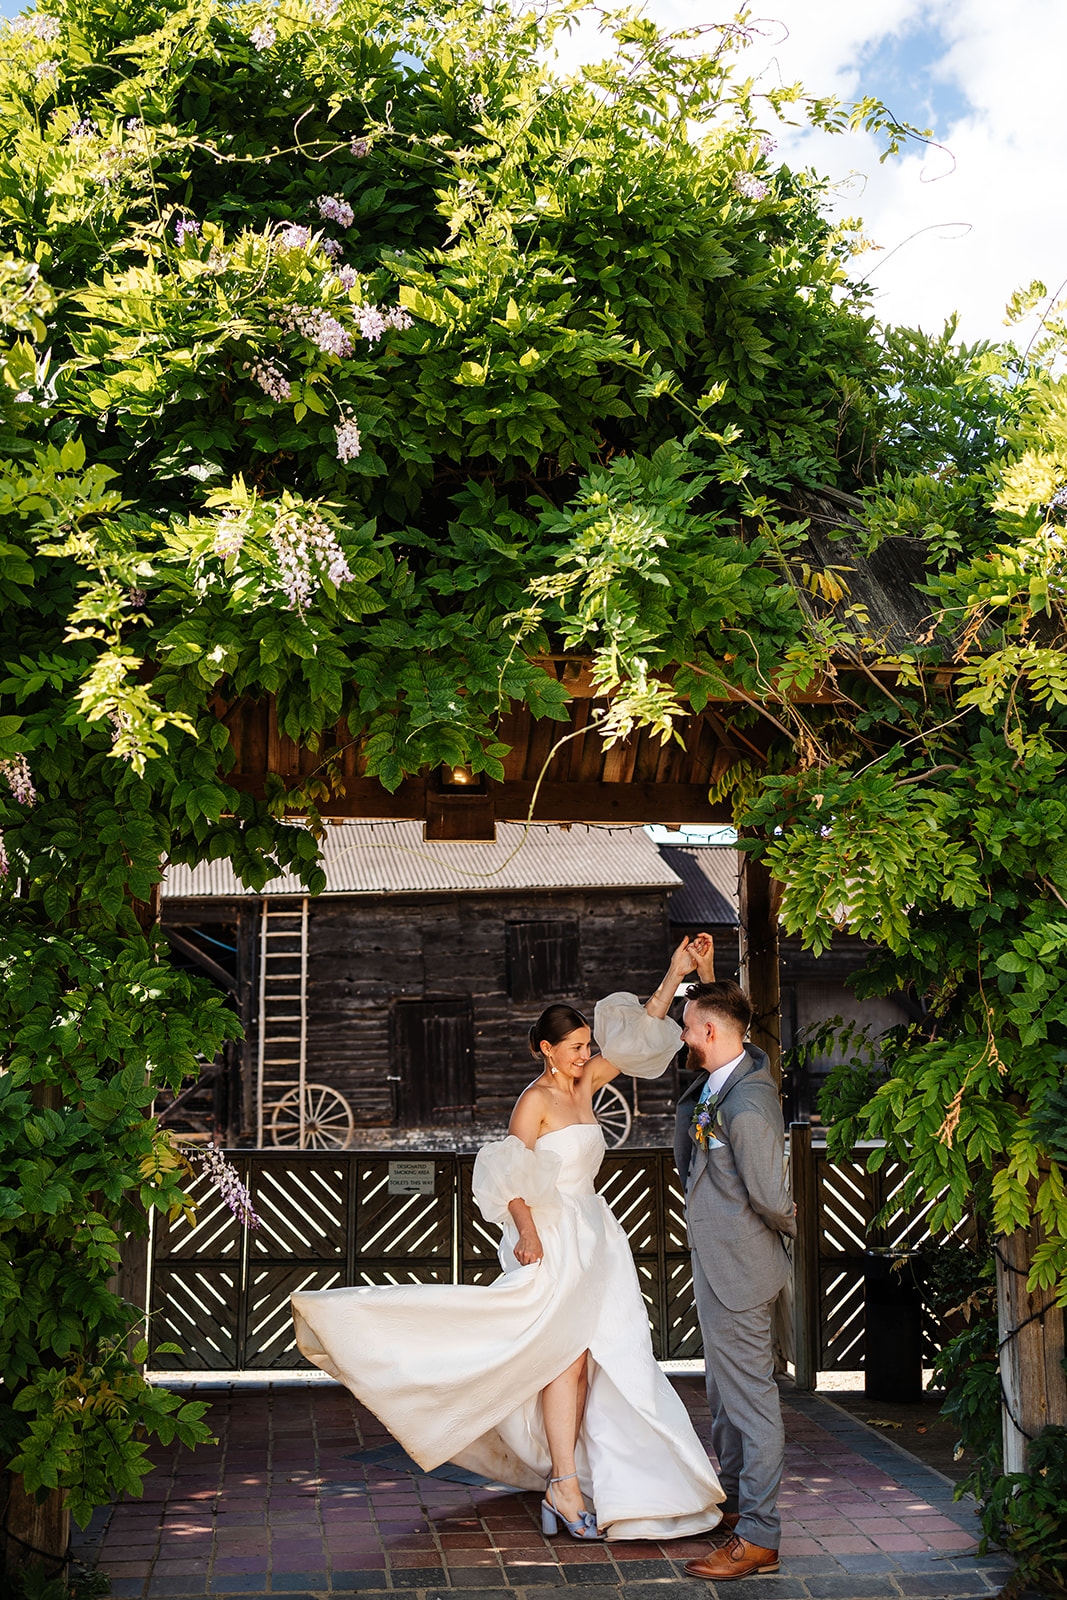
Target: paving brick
[
  {"x": 851, "y": 1588},
  {"x": 360, "y": 1578}
]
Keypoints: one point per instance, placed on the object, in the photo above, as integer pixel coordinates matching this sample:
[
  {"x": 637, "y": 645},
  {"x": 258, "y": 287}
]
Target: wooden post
[
  {"x": 35, "y": 1532},
  {"x": 1031, "y": 1349},
  {"x": 757, "y": 900},
  {"x": 804, "y": 1177}
]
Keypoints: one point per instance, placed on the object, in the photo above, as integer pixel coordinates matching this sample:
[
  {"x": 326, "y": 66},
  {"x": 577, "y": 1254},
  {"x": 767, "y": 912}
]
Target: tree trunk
[
  {"x": 1033, "y": 1386},
  {"x": 34, "y": 1533},
  {"x": 758, "y": 899}
]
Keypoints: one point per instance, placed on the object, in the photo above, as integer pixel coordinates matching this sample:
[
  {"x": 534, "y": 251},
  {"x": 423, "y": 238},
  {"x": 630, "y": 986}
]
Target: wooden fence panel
[{"x": 348, "y": 1217}]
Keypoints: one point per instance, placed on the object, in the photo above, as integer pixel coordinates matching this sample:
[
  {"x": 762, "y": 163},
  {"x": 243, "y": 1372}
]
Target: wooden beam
[
  {"x": 806, "y": 1319},
  {"x": 669, "y": 803},
  {"x": 1031, "y": 1348},
  {"x": 757, "y": 909},
  {"x": 205, "y": 962}
]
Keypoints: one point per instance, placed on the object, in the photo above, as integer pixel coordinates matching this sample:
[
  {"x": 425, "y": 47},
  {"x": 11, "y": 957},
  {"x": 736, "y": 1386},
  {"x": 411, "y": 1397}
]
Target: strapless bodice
[{"x": 580, "y": 1148}]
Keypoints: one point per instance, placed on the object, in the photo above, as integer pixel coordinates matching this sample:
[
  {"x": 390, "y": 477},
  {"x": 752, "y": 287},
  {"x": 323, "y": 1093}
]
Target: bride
[{"x": 544, "y": 1379}]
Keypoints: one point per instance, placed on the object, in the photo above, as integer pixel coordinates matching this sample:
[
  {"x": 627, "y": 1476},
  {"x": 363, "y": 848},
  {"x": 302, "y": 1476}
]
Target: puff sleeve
[
  {"x": 509, "y": 1170},
  {"x": 639, "y": 1045}
]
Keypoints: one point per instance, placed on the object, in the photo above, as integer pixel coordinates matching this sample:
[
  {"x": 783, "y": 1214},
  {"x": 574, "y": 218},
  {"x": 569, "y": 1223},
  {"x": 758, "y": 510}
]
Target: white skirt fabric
[{"x": 455, "y": 1371}]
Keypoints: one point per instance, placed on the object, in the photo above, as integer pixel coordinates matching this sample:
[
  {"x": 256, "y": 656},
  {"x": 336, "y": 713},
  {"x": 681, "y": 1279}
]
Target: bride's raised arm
[{"x": 640, "y": 1040}]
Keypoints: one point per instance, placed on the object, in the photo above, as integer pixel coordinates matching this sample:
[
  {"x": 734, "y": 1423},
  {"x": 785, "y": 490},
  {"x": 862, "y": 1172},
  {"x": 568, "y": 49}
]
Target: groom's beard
[{"x": 694, "y": 1062}]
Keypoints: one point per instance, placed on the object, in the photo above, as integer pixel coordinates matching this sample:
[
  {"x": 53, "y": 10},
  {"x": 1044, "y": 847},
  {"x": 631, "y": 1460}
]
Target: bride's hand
[{"x": 528, "y": 1251}]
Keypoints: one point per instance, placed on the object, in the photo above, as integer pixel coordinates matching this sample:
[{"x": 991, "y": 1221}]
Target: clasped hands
[{"x": 694, "y": 955}]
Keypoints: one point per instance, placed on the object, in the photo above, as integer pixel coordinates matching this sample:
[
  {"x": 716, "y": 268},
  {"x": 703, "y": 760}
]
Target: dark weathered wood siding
[{"x": 364, "y": 956}]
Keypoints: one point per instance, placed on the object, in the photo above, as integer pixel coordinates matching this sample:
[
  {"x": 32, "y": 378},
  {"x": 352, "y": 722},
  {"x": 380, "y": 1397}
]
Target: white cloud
[{"x": 964, "y": 229}]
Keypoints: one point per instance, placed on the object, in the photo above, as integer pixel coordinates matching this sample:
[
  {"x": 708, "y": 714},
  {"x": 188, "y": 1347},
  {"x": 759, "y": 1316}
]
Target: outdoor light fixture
[{"x": 452, "y": 779}]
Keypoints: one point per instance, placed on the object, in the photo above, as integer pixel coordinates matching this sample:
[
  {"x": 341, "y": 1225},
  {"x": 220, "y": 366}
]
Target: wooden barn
[{"x": 402, "y": 995}]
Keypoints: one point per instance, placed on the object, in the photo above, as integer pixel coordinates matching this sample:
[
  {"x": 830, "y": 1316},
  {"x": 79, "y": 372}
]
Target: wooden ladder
[{"x": 283, "y": 974}]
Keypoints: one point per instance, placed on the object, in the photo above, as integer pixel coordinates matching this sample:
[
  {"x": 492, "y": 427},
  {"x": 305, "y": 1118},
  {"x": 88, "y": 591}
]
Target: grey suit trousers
[{"x": 746, "y": 1409}]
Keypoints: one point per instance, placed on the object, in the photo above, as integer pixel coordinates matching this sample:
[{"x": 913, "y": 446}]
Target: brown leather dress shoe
[{"x": 735, "y": 1559}]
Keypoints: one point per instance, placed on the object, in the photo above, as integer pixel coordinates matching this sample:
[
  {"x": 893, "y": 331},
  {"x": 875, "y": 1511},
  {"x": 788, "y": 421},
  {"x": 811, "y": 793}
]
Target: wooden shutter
[
  {"x": 433, "y": 1061},
  {"x": 542, "y": 960}
]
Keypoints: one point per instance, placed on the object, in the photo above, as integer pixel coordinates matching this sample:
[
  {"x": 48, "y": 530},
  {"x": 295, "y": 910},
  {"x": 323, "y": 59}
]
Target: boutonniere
[{"x": 704, "y": 1120}]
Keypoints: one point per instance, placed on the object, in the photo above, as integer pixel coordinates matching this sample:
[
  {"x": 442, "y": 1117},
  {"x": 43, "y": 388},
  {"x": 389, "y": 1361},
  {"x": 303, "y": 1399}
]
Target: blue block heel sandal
[{"x": 551, "y": 1517}]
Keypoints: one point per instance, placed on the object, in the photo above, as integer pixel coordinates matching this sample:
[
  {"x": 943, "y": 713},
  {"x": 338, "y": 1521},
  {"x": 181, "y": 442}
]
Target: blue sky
[{"x": 905, "y": 72}]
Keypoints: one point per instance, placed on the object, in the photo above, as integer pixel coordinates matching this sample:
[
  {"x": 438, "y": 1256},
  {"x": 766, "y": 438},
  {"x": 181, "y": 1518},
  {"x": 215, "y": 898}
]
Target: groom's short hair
[{"x": 726, "y": 999}]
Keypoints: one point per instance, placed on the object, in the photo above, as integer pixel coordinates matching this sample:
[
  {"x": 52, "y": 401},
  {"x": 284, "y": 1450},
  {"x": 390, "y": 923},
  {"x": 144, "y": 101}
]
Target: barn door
[{"x": 433, "y": 1062}]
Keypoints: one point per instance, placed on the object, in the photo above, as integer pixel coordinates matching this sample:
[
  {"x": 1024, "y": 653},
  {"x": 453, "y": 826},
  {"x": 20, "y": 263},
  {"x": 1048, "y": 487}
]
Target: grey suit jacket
[{"x": 737, "y": 1201}]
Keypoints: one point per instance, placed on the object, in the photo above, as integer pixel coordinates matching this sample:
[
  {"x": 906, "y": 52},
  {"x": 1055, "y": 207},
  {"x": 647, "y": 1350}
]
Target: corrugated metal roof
[
  {"x": 375, "y": 858},
  {"x": 709, "y": 883}
]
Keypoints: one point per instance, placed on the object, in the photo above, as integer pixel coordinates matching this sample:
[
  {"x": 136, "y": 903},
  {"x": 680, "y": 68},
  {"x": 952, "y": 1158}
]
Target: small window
[{"x": 542, "y": 960}]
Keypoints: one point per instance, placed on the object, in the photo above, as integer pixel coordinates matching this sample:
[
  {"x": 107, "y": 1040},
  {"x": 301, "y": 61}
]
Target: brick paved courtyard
[{"x": 305, "y": 1494}]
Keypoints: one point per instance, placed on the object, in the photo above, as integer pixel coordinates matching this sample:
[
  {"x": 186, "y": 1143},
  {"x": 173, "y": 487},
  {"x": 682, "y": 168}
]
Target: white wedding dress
[{"x": 455, "y": 1372}]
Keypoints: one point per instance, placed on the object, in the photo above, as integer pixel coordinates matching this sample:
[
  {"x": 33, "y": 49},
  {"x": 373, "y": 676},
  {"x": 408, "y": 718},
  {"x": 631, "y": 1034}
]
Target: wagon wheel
[
  {"x": 328, "y": 1120},
  {"x": 613, "y": 1114}
]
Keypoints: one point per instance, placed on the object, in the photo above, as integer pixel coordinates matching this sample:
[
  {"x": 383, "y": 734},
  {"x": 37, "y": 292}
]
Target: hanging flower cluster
[
  {"x": 183, "y": 226},
  {"x": 270, "y": 377},
  {"x": 749, "y": 186},
  {"x": 226, "y": 1179},
  {"x": 372, "y": 321},
  {"x": 83, "y": 129},
  {"x": 264, "y": 36},
  {"x": 319, "y": 327},
  {"x": 15, "y": 772},
  {"x": 307, "y": 551},
  {"x": 360, "y": 148},
  {"x": 124, "y": 741},
  {"x": 229, "y": 538},
  {"x": 333, "y": 209},
  {"x": 348, "y": 440}
]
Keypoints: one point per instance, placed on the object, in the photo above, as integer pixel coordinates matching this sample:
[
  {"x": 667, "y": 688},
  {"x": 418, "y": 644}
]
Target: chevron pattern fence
[{"x": 328, "y": 1219}]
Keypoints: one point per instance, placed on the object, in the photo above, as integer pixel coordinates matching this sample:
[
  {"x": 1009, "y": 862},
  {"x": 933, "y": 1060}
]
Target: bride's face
[{"x": 568, "y": 1058}]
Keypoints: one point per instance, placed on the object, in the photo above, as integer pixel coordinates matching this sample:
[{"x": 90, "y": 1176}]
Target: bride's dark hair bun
[{"x": 554, "y": 1024}]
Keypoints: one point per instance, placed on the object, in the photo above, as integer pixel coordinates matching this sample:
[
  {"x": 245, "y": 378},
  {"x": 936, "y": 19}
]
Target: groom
[{"x": 729, "y": 1146}]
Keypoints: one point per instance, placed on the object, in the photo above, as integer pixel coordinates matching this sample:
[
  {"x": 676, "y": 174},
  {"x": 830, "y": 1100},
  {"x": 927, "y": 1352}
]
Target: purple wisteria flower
[
  {"x": 45, "y": 69},
  {"x": 373, "y": 321},
  {"x": 229, "y": 538},
  {"x": 306, "y": 550},
  {"x": 15, "y": 772},
  {"x": 348, "y": 440},
  {"x": 749, "y": 186},
  {"x": 264, "y": 36},
  {"x": 5, "y": 865},
  {"x": 183, "y": 226},
  {"x": 334, "y": 209},
  {"x": 765, "y": 145},
  {"x": 226, "y": 1179},
  {"x": 122, "y": 728},
  {"x": 83, "y": 129},
  {"x": 347, "y": 277},
  {"x": 270, "y": 377},
  {"x": 360, "y": 148},
  {"x": 321, "y": 328},
  {"x": 294, "y": 237},
  {"x": 331, "y": 247}
]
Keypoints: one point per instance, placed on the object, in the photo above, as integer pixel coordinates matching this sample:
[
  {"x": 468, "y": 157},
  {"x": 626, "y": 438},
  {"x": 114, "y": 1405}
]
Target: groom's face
[{"x": 696, "y": 1036}]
